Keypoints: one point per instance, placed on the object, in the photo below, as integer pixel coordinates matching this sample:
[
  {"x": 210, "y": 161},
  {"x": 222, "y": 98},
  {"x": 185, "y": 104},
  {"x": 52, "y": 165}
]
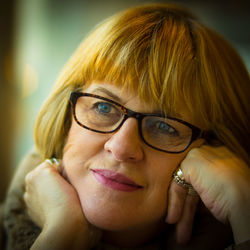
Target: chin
[
  {"x": 106, "y": 217},
  {"x": 116, "y": 217},
  {"x": 114, "y": 211}
]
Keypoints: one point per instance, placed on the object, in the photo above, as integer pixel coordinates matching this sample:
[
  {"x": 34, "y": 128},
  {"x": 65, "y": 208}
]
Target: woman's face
[{"x": 122, "y": 183}]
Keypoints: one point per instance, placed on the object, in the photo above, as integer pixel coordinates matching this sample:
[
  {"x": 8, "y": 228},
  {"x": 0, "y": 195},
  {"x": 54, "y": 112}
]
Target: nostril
[
  {"x": 125, "y": 144},
  {"x": 122, "y": 150}
]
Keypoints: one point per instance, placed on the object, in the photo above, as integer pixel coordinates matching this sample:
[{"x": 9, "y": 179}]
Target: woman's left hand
[
  {"x": 181, "y": 211},
  {"x": 222, "y": 181}
]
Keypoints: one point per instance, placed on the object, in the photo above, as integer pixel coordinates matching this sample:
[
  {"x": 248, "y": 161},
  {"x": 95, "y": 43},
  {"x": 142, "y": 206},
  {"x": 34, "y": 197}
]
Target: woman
[{"x": 149, "y": 91}]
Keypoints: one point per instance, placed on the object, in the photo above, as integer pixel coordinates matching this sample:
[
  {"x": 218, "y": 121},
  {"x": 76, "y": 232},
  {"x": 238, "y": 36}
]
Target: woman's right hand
[{"x": 54, "y": 206}]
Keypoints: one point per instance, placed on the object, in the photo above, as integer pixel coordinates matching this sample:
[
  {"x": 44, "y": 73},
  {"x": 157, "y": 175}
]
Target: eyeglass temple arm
[{"x": 211, "y": 138}]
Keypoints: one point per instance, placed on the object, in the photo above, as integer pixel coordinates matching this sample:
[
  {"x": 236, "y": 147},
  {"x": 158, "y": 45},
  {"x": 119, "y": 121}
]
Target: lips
[{"x": 115, "y": 180}]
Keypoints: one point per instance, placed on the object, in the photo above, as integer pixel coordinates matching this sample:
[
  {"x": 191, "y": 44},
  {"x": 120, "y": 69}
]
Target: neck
[{"x": 135, "y": 237}]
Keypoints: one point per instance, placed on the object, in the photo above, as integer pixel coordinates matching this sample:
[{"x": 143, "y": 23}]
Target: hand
[
  {"x": 53, "y": 205},
  {"x": 222, "y": 181},
  {"x": 181, "y": 211}
]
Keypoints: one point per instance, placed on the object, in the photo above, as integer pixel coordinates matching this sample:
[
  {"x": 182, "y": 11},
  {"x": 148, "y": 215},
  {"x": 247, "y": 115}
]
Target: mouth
[{"x": 115, "y": 180}]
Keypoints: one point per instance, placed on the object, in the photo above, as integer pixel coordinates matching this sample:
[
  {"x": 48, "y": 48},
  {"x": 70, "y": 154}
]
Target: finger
[
  {"x": 185, "y": 224},
  {"x": 65, "y": 176},
  {"x": 25, "y": 197},
  {"x": 95, "y": 235},
  {"x": 56, "y": 164},
  {"x": 176, "y": 200}
]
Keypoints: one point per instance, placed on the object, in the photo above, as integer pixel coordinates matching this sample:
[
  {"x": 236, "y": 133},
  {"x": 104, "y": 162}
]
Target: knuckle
[
  {"x": 43, "y": 165},
  {"x": 29, "y": 177},
  {"x": 194, "y": 152},
  {"x": 48, "y": 170},
  {"x": 25, "y": 197}
]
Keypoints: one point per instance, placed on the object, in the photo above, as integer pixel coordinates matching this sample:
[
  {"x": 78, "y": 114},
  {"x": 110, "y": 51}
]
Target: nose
[{"x": 126, "y": 144}]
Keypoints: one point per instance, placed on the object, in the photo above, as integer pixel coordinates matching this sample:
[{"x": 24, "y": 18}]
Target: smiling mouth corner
[{"x": 115, "y": 180}]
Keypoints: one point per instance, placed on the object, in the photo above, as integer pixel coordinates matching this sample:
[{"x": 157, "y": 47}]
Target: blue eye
[
  {"x": 165, "y": 128},
  {"x": 162, "y": 125},
  {"x": 103, "y": 107}
]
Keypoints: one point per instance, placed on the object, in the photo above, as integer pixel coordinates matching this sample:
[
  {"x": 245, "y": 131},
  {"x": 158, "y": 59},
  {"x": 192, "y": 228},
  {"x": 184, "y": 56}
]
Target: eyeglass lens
[{"x": 160, "y": 132}]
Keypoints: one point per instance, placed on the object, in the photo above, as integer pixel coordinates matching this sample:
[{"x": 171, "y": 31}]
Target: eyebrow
[
  {"x": 119, "y": 100},
  {"x": 107, "y": 92}
]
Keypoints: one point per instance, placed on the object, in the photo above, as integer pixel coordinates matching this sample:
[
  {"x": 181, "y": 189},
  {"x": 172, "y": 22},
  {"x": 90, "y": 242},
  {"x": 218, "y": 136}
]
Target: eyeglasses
[{"x": 102, "y": 115}]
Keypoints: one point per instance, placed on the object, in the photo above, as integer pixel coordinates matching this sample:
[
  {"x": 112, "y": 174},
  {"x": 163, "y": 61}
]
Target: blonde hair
[{"x": 163, "y": 54}]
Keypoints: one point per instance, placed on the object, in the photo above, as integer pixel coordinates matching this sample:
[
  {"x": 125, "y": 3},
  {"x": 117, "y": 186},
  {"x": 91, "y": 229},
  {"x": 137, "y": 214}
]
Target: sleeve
[
  {"x": 1, "y": 227},
  {"x": 20, "y": 232},
  {"x": 242, "y": 246},
  {"x": 207, "y": 234}
]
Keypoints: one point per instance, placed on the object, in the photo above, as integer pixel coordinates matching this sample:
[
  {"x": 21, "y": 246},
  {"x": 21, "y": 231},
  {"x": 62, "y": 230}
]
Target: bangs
[
  {"x": 161, "y": 53},
  {"x": 149, "y": 54}
]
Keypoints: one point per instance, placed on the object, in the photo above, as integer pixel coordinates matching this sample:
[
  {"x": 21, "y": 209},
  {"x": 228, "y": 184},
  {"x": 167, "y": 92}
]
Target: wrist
[
  {"x": 239, "y": 217},
  {"x": 64, "y": 235},
  {"x": 240, "y": 227}
]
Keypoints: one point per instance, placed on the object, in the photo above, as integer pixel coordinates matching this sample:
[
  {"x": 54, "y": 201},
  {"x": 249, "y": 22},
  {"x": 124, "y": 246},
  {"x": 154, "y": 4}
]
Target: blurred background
[{"x": 38, "y": 37}]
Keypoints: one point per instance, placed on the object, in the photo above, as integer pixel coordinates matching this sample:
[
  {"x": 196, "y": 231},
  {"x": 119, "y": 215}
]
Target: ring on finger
[
  {"x": 180, "y": 180},
  {"x": 53, "y": 161},
  {"x": 192, "y": 191}
]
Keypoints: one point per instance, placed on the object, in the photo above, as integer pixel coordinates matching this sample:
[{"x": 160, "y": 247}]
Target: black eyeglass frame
[{"x": 196, "y": 132}]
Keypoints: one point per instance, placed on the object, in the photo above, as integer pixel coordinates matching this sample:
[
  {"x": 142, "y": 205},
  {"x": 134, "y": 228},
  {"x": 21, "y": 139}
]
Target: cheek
[
  {"x": 160, "y": 173},
  {"x": 81, "y": 145},
  {"x": 162, "y": 166}
]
